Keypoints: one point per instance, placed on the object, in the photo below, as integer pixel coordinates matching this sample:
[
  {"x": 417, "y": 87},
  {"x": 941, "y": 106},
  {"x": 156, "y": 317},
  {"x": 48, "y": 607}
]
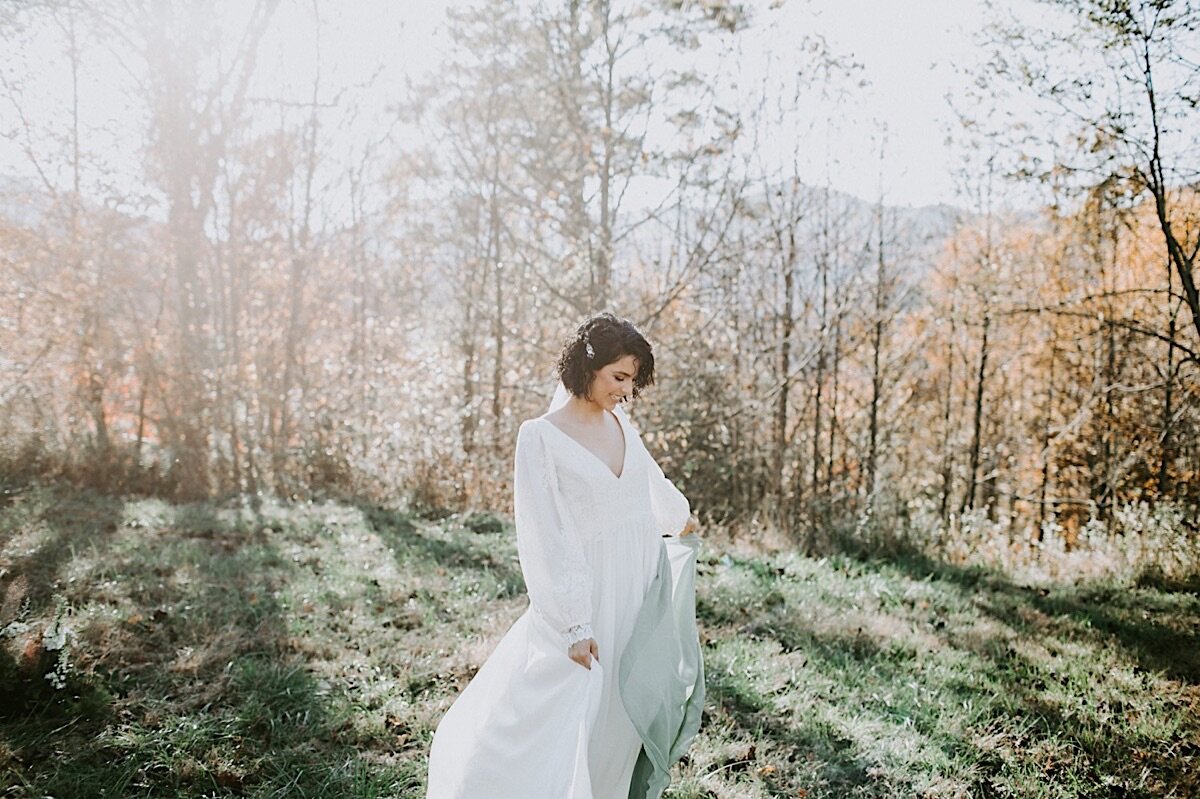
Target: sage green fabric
[{"x": 661, "y": 680}]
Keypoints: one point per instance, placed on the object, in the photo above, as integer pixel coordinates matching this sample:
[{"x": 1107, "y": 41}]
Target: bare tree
[{"x": 1119, "y": 82}]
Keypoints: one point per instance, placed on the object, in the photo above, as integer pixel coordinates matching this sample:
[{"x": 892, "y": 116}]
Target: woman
[{"x": 597, "y": 688}]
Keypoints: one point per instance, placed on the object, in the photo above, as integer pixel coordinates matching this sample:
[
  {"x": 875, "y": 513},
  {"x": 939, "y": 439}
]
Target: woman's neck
[{"x": 585, "y": 410}]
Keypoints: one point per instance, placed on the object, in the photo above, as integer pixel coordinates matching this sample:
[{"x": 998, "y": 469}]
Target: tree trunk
[
  {"x": 947, "y": 412},
  {"x": 1048, "y": 419},
  {"x": 977, "y": 423},
  {"x": 498, "y": 321},
  {"x": 301, "y": 253},
  {"x": 876, "y": 377},
  {"x": 603, "y": 257},
  {"x": 1166, "y": 450},
  {"x": 1183, "y": 261},
  {"x": 90, "y": 369},
  {"x": 819, "y": 387},
  {"x": 784, "y": 383},
  {"x": 833, "y": 395}
]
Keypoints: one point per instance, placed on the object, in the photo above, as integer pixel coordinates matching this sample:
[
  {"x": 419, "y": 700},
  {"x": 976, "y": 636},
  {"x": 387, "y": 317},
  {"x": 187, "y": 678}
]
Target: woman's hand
[
  {"x": 692, "y": 525},
  {"x": 583, "y": 651}
]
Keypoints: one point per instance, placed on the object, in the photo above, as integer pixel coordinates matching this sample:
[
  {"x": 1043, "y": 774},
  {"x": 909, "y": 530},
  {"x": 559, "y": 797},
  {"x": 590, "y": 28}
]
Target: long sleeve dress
[{"x": 534, "y": 724}]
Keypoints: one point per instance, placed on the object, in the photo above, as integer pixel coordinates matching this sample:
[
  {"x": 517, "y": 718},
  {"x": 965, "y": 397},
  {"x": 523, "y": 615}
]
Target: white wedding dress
[{"x": 532, "y": 723}]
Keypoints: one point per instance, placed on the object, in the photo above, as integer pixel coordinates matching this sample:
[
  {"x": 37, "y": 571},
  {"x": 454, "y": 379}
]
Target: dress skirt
[{"x": 534, "y": 724}]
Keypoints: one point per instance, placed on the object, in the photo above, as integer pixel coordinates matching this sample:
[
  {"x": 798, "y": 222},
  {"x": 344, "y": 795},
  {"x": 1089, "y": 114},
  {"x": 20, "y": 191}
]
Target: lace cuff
[{"x": 576, "y": 633}]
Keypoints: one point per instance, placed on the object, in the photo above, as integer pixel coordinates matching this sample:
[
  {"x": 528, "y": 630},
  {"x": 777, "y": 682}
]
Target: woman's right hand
[{"x": 583, "y": 651}]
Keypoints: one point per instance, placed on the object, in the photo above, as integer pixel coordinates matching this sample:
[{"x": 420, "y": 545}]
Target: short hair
[{"x": 611, "y": 338}]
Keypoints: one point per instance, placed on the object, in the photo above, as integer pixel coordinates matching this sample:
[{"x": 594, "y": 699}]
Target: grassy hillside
[{"x": 308, "y": 650}]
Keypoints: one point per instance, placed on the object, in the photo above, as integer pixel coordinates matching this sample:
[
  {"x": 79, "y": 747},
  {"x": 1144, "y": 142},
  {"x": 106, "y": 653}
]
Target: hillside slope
[{"x": 308, "y": 651}]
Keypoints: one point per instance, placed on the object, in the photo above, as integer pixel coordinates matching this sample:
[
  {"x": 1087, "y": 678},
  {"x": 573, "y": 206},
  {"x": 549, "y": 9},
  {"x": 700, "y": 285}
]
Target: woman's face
[{"x": 613, "y": 383}]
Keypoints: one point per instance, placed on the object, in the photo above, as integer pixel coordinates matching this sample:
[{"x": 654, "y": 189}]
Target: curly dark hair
[{"x": 611, "y": 338}]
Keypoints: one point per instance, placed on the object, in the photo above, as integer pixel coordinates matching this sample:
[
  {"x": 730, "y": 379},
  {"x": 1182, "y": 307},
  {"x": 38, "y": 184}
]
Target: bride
[{"x": 597, "y": 689}]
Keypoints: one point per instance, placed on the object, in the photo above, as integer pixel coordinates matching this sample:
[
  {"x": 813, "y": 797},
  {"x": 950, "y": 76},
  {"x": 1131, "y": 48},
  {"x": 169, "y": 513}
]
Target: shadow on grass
[
  {"x": 1016, "y": 693},
  {"x": 831, "y": 759},
  {"x": 1148, "y": 623},
  {"x": 211, "y": 696},
  {"x": 71, "y": 521},
  {"x": 406, "y": 540},
  {"x": 1019, "y": 709},
  {"x": 61, "y": 525}
]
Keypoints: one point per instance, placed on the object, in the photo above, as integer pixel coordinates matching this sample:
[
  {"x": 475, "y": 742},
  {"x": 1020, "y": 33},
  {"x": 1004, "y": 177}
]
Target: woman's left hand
[{"x": 692, "y": 525}]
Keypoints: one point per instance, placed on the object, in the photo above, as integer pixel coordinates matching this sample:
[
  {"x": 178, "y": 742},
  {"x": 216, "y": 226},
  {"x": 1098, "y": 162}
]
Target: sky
[{"x": 911, "y": 53}]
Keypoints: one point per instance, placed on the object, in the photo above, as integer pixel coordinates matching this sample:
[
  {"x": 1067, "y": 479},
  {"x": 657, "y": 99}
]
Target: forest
[
  {"x": 263, "y": 315},
  {"x": 246, "y": 270}
]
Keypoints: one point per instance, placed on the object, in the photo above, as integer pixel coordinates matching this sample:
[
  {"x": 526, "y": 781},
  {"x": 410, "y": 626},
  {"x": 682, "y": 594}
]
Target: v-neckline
[{"x": 595, "y": 457}]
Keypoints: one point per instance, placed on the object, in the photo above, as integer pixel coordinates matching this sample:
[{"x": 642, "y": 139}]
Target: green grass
[{"x": 308, "y": 650}]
